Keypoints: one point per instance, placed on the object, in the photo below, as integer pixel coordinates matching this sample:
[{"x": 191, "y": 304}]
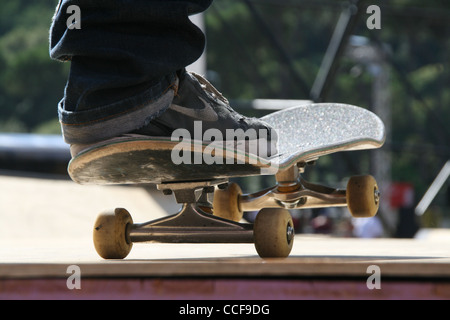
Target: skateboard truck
[
  {"x": 193, "y": 223},
  {"x": 293, "y": 192}
]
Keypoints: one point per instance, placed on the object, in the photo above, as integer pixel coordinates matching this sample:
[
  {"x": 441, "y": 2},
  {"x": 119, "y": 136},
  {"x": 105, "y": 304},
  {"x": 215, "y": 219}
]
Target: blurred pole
[
  {"x": 278, "y": 47},
  {"x": 199, "y": 66},
  {"x": 373, "y": 57},
  {"x": 433, "y": 189},
  {"x": 381, "y": 160},
  {"x": 344, "y": 27}
]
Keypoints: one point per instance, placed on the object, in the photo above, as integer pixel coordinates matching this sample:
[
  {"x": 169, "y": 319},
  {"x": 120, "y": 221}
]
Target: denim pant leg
[{"x": 124, "y": 56}]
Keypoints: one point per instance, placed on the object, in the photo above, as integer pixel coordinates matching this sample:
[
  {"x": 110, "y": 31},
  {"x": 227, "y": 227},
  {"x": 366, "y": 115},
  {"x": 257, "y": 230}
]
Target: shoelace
[{"x": 207, "y": 86}]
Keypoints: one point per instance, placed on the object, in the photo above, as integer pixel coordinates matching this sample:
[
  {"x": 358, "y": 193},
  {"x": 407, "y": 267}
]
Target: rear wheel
[
  {"x": 363, "y": 196},
  {"x": 111, "y": 234}
]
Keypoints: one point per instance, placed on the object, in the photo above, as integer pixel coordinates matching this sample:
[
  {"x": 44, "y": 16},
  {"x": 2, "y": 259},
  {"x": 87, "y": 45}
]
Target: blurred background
[{"x": 274, "y": 50}]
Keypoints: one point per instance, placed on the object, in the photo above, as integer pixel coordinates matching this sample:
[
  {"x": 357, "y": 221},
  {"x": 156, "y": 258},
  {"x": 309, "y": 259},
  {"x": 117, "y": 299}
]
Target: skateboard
[{"x": 212, "y": 206}]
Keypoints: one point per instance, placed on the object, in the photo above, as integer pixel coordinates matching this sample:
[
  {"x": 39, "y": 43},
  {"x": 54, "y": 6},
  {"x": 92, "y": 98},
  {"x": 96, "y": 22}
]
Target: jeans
[{"x": 124, "y": 58}]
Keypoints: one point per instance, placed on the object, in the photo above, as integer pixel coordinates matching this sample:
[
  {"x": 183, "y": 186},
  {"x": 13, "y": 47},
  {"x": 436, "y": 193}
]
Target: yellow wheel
[
  {"x": 273, "y": 233},
  {"x": 111, "y": 234},
  {"x": 363, "y": 196},
  {"x": 226, "y": 202}
]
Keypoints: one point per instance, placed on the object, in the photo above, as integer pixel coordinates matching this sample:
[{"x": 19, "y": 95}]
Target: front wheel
[{"x": 273, "y": 233}]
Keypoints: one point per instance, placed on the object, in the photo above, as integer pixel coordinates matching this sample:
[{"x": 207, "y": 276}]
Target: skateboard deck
[{"x": 304, "y": 133}]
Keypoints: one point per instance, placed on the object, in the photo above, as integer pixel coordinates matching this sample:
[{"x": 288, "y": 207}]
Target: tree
[{"x": 31, "y": 84}]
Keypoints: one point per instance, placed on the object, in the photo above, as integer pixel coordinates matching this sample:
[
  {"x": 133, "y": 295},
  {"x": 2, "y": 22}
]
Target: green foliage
[{"x": 31, "y": 84}]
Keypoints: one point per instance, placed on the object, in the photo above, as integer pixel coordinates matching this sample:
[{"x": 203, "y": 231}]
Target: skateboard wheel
[
  {"x": 273, "y": 233},
  {"x": 111, "y": 235},
  {"x": 226, "y": 202},
  {"x": 363, "y": 196}
]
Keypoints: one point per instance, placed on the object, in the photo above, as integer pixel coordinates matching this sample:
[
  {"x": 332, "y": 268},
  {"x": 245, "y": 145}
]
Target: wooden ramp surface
[
  {"x": 35, "y": 257},
  {"x": 319, "y": 267}
]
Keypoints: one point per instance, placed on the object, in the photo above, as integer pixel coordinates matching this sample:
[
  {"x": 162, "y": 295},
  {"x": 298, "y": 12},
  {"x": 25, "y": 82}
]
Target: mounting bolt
[
  {"x": 223, "y": 186},
  {"x": 209, "y": 189},
  {"x": 167, "y": 192},
  {"x": 290, "y": 233},
  {"x": 377, "y": 195}
]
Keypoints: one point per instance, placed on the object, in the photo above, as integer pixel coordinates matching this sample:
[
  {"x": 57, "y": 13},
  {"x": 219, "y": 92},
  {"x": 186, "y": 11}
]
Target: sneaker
[{"x": 200, "y": 112}]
